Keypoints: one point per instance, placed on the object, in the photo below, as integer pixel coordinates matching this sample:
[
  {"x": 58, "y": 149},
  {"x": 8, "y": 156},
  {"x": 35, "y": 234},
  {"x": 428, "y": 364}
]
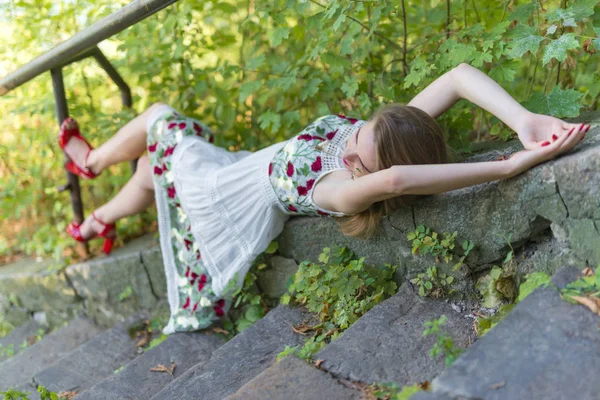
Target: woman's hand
[
  {"x": 537, "y": 129},
  {"x": 546, "y": 150}
]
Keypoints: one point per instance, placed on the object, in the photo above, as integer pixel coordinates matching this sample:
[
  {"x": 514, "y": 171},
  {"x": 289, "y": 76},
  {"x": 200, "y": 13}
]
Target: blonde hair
[{"x": 404, "y": 135}]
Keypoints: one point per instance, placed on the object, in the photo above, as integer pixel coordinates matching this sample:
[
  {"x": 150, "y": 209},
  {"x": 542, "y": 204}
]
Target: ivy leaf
[
  {"x": 277, "y": 35},
  {"x": 524, "y": 39},
  {"x": 247, "y": 88},
  {"x": 273, "y": 247},
  {"x": 350, "y": 86},
  {"x": 558, "y": 48}
]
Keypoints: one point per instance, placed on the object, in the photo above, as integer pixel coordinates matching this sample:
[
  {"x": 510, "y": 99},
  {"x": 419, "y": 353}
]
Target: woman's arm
[
  {"x": 353, "y": 196},
  {"x": 467, "y": 82}
]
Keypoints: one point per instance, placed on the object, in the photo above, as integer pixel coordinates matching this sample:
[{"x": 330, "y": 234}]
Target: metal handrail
[
  {"x": 80, "y": 46},
  {"x": 69, "y": 50}
]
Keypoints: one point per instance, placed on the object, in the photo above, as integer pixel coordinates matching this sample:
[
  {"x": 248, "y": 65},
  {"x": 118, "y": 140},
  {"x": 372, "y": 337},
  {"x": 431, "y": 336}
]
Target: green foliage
[
  {"x": 13, "y": 394},
  {"x": 248, "y": 301},
  {"x": 444, "y": 344},
  {"x": 339, "y": 289},
  {"x": 5, "y": 327},
  {"x": 497, "y": 289},
  {"x": 7, "y": 351},
  {"x": 584, "y": 286},
  {"x": 391, "y": 391},
  {"x": 433, "y": 283},
  {"x": 425, "y": 241},
  {"x": 126, "y": 293},
  {"x": 257, "y": 72}
]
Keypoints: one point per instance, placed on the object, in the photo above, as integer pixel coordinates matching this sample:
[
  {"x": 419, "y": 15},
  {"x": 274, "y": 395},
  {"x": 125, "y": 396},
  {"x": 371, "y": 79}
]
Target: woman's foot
[
  {"x": 77, "y": 148},
  {"x": 91, "y": 228}
]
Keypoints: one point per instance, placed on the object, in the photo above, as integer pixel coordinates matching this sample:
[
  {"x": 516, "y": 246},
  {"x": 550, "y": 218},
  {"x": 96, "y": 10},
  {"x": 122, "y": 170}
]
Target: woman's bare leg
[
  {"x": 127, "y": 144},
  {"x": 133, "y": 198}
]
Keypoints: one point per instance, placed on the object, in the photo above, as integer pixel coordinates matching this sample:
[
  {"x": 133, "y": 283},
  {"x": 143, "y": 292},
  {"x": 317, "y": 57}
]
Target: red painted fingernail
[
  {"x": 569, "y": 134},
  {"x": 581, "y": 127},
  {"x": 545, "y": 144},
  {"x": 588, "y": 128},
  {"x": 554, "y": 137}
]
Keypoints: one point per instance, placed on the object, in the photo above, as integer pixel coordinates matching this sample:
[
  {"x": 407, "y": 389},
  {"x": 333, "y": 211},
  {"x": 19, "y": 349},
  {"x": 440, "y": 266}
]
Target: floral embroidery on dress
[
  {"x": 199, "y": 307},
  {"x": 297, "y": 166}
]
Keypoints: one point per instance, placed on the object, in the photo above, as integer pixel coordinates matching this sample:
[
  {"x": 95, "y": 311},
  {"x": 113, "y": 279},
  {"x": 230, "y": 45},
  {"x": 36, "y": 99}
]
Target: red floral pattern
[
  {"x": 297, "y": 166},
  {"x": 198, "y": 305}
]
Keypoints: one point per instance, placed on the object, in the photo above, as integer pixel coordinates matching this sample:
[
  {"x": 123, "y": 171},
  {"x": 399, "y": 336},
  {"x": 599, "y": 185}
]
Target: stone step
[
  {"x": 240, "y": 359},
  {"x": 89, "y": 363},
  {"x": 545, "y": 349},
  {"x": 293, "y": 378},
  {"x": 387, "y": 344},
  {"x": 136, "y": 381},
  {"x": 12, "y": 344},
  {"x": 41, "y": 355}
]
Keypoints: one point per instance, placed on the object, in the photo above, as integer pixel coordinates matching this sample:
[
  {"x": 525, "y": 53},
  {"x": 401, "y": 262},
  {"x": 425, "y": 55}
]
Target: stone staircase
[
  {"x": 545, "y": 348},
  {"x": 555, "y": 355}
]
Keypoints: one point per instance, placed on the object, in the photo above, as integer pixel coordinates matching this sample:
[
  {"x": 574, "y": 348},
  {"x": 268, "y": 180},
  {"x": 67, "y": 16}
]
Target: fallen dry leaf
[
  {"x": 142, "y": 342},
  {"x": 216, "y": 329},
  {"x": 31, "y": 340},
  {"x": 318, "y": 363},
  {"x": 424, "y": 386},
  {"x": 501, "y": 158},
  {"x": 587, "y": 272},
  {"x": 301, "y": 328},
  {"x": 162, "y": 368},
  {"x": 497, "y": 385},
  {"x": 68, "y": 395},
  {"x": 590, "y": 302}
]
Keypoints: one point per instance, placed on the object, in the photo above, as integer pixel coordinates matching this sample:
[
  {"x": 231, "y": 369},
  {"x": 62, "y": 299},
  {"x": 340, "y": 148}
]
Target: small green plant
[
  {"x": 444, "y": 344},
  {"x": 585, "y": 290},
  {"x": 339, "y": 289},
  {"x": 392, "y": 391},
  {"x": 7, "y": 351},
  {"x": 5, "y": 327},
  {"x": 121, "y": 368},
  {"x": 125, "y": 294},
  {"x": 433, "y": 282},
  {"x": 425, "y": 241},
  {"x": 13, "y": 394},
  {"x": 531, "y": 282}
]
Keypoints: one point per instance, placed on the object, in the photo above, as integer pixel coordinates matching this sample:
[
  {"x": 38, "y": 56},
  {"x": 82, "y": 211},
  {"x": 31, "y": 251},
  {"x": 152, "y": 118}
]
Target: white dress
[{"x": 236, "y": 202}]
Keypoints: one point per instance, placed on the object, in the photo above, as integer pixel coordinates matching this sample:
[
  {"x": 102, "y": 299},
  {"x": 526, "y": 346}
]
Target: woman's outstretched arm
[
  {"x": 354, "y": 196},
  {"x": 469, "y": 83}
]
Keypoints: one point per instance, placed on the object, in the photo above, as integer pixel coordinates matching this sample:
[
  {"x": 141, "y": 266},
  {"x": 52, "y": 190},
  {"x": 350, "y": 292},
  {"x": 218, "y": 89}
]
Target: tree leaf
[
  {"x": 278, "y": 34},
  {"x": 523, "y": 12},
  {"x": 350, "y": 86},
  {"x": 247, "y": 88},
  {"x": 525, "y": 39},
  {"x": 558, "y": 48}
]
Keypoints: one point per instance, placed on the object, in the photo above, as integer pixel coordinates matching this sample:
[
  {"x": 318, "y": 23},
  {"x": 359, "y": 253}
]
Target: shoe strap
[{"x": 107, "y": 227}]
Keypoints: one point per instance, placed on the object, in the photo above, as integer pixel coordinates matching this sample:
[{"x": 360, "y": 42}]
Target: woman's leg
[
  {"x": 127, "y": 144},
  {"x": 133, "y": 198}
]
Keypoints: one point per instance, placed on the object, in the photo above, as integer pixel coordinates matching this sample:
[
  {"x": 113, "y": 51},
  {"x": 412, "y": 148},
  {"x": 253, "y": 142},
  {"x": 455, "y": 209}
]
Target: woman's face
[{"x": 359, "y": 155}]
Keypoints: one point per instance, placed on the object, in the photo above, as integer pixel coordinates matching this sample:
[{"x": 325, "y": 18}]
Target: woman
[{"x": 218, "y": 210}]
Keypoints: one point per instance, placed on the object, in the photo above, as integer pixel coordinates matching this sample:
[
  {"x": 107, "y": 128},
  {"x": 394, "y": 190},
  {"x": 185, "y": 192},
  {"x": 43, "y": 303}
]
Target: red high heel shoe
[
  {"x": 70, "y": 129},
  {"x": 74, "y": 231}
]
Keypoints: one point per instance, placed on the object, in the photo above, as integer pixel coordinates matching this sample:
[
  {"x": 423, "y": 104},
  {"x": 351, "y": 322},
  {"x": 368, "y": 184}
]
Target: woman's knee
[{"x": 155, "y": 106}]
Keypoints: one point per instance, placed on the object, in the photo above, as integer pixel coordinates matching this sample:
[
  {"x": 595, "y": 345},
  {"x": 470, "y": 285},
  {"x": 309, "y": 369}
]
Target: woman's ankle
[{"x": 93, "y": 162}]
